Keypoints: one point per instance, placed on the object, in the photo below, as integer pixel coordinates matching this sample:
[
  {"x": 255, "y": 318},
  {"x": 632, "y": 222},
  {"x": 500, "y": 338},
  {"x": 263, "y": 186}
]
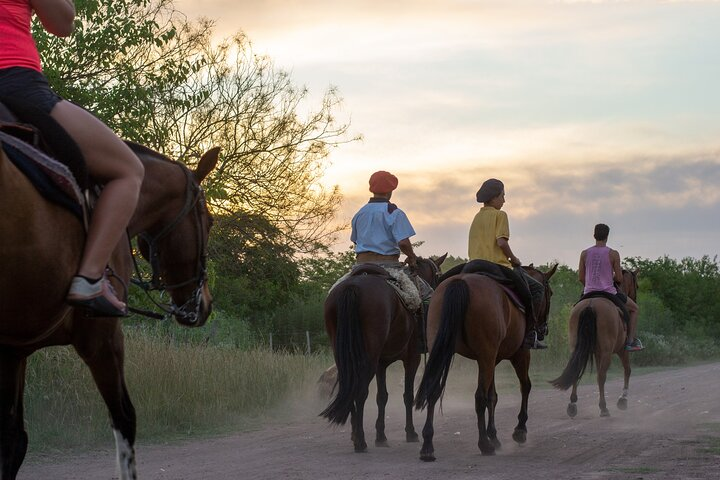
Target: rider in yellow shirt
[{"x": 489, "y": 240}]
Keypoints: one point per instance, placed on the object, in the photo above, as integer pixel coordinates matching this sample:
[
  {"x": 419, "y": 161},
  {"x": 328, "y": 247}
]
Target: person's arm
[
  {"x": 581, "y": 268},
  {"x": 57, "y": 16},
  {"x": 407, "y": 249},
  {"x": 504, "y": 245},
  {"x": 617, "y": 269}
]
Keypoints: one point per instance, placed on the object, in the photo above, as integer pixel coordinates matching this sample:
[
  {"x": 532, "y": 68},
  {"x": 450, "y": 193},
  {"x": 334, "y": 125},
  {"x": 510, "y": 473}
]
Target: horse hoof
[
  {"x": 496, "y": 443},
  {"x": 572, "y": 410},
  {"x": 412, "y": 437},
  {"x": 486, "y": 448},
  {"x": 622, "y": 403},
  {"x": 381, "y": 443},
  {"x": 427, "y": 457},
  {"x": 605, "y": 413},
  {"x": 519, "y": 436},
  {"x": 361, "y": 447}
]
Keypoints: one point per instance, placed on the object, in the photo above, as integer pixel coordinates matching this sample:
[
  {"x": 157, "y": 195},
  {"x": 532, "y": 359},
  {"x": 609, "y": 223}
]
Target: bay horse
[
  {"x": 40, "y": 248},
  {"x": 472, "y": 315},
  {"x": 596, "y": 331},
  {"x": 370, "y": 328}
]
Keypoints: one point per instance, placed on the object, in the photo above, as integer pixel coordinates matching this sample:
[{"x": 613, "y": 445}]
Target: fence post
[
  {"x": 271, "y": 349},
  {"x": 307, "y": 336}
]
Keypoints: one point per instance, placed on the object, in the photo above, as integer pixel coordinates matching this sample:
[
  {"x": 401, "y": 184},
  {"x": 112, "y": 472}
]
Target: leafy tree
[{"x": 158, "y": 78}]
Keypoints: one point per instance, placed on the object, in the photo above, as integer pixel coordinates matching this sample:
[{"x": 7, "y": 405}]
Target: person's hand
[
  {"x": 515, "y": 262},
  {"x": 411, "y": 262}
]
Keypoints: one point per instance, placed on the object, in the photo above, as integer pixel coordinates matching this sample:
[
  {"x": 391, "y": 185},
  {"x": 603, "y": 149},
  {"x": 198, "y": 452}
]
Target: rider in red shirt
[{"x": 109, "y": 160}]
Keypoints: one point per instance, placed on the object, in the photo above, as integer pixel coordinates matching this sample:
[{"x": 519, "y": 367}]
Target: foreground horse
[
  {"x": 40, "y": 249},
  {"x": 370, "y": 328},
  {"x": 472, "y": 315},
  {"x": 596, "y": 329}
]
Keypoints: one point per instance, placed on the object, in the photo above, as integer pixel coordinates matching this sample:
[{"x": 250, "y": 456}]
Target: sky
[{"x": 589, "y": 111}]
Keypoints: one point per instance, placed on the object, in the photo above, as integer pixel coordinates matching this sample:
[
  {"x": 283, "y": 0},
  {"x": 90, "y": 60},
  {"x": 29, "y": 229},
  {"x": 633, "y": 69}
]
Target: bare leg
[
  {"x": 112, "y": 162},
  {"x": 632, "y": 328}
]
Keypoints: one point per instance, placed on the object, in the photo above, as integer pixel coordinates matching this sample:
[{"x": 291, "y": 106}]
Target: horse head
[
  {"x": 429, "y": 269},
  {"x": 173, "y": 223},
  {"x": 543, "y": 312}
]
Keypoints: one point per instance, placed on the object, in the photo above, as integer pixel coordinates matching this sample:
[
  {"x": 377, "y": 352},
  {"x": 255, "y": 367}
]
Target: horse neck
[{"x": 162, "y": 194}]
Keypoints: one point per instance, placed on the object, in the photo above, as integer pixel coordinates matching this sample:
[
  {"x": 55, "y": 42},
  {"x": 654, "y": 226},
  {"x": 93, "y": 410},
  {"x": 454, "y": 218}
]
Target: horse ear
[
  {"x": 551, "y": 272},
  {"x": 207, "y": 164},
  {"x": 438, "y": 261}
]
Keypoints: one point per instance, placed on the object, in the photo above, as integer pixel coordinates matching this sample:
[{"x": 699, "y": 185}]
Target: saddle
[
  {"x": 394, "y": 276},
  {"x": 613, "y": 298},
  {"x": 510, "y": 282}
]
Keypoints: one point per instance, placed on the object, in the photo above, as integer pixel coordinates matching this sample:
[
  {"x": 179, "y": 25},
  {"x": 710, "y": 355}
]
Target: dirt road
[{"x": 671, "y": 430}]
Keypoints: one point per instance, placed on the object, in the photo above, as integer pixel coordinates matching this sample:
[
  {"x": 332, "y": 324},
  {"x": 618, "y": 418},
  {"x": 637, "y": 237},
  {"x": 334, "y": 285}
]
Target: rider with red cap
[{"x": 381, "y": 231}]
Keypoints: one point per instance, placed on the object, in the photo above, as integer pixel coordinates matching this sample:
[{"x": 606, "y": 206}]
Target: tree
[{"x": 158, "y": 79}]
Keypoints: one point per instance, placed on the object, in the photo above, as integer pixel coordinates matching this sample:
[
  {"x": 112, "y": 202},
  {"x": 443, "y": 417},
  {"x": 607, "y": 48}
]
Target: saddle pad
[{"x": 51, "y": 178}]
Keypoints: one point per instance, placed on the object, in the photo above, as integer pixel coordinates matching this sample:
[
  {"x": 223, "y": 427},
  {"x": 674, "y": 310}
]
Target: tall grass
[{"x": 178, "y": 389}]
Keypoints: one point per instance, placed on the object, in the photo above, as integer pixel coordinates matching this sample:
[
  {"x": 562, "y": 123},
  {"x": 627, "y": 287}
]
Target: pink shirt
[
  {"x": 598, "y": 271},
  {"x": 17, "y": 47}
]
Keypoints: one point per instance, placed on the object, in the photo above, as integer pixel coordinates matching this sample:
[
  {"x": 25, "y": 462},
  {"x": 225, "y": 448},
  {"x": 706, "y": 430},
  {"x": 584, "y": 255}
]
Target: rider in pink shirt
[
  {"x": 109, "y": 160},
  {"x": 599, "y": 270}
]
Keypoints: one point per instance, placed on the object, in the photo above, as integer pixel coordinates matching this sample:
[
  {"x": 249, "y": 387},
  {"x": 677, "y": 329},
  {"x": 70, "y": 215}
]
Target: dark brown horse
[
  {"x": 472, "y": 315},
  {"x": 370, "y": 328},
  {"x": 40, "y": 248},
  {"x": 596, "y": 331}
]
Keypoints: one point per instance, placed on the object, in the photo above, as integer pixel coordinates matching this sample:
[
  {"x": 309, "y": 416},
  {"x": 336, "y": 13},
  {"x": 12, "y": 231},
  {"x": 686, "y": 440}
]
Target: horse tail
[
  {"x": 583, "y": 352},
  {"x": 454, "y": 308},
  {"x": 350, "y": 356}
]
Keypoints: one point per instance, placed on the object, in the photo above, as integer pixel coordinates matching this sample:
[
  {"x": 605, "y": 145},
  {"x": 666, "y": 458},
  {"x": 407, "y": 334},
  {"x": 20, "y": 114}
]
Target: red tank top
[{"x": 17, "y": 47}]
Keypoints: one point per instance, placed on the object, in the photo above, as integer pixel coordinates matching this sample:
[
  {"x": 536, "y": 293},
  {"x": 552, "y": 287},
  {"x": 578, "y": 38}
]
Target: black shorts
[{"x": 27, "y": 86}]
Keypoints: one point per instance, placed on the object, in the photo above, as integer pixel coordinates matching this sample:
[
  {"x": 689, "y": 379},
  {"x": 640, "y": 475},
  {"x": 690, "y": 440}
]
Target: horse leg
[
  {"x": 357, "y": 419},
  {"x": 411, "y": 367},
  {"x": 427, "y": 452},
  {"x": 572, "y": 406},
  {"x": 625, "y": 359},
  {"x": 13, "y": 438},
  {"x": 491, "y": 430},
  {"x": 602, "y": 367},
  {"x": 482, "y": 394},
  {"x": 105, "y": 361},
  {"x": 382, "y": 398},
  {"x": 521, "y": 364}
]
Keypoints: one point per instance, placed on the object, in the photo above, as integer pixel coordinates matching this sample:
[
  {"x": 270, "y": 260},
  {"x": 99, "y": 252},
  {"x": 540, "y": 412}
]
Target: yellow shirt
[{"x": 488, "y": 225}]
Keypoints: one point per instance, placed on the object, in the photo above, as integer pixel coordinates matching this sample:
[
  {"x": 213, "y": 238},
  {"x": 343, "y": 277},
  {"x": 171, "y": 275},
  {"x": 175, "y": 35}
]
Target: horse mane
[{"x": 142, "y": 149}]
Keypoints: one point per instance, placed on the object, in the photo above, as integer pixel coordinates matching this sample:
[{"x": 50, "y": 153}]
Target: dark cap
[
  {"x": 490, "y": 189},
  {"x": 383, "y": 182}
]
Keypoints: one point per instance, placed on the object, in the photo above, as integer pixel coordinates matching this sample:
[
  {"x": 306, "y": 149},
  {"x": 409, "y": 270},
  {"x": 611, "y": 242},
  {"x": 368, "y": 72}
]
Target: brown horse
[
  {"x": 40, "y": 248},
  {"x": 472, "y": 315},
  {"x": 596, "y": 329},
  {"x": 370, "y": 328}
]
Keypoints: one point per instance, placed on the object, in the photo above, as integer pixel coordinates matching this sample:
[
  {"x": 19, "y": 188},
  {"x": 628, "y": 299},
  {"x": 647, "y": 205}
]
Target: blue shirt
[{"x": 378, "y": 227}]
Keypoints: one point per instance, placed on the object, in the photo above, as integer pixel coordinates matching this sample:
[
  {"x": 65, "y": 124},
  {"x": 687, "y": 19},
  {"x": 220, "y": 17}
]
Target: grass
[{"x": 178, "y": 390}]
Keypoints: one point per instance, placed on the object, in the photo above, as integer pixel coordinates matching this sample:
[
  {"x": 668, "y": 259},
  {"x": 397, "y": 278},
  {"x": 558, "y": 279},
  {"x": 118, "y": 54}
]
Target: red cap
[{"x": 383, "y": 182}]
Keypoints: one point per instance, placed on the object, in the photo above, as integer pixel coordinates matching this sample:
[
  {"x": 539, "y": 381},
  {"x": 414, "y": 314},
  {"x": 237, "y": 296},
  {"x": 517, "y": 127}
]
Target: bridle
[
  {"x": 436, "y": 273},
  {"x": 190, "y": 310}
]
